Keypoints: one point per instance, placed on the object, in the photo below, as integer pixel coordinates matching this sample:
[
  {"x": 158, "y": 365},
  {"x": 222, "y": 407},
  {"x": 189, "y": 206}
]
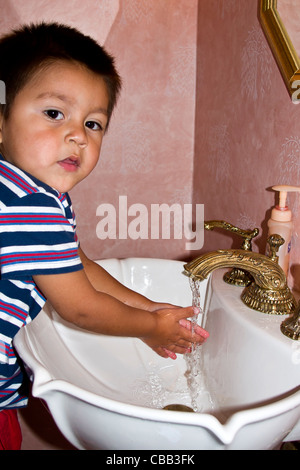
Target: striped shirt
[{"x": 37, "y": 236}]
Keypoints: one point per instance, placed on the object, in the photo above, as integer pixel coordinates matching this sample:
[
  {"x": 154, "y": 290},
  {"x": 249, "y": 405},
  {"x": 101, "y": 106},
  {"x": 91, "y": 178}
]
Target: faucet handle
[
  {"x": 274, "y": 241},
  {"x": 236, "y": 276},
  {"x": 248, "y": 235}
]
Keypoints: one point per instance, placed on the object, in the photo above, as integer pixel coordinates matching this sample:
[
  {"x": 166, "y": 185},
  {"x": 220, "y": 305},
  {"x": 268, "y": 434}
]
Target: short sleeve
[{"x": 38, "y": 236}]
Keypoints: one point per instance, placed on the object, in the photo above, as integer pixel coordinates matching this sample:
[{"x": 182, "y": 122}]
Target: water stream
[
  {"x": 161, "y": 387},
  {"x": 195, "y": 379}
]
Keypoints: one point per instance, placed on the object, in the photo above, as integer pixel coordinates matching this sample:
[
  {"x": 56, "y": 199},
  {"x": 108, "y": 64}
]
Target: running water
[
  {"x": 193, "y": 359},
  {"x": 161, "y": 388}
]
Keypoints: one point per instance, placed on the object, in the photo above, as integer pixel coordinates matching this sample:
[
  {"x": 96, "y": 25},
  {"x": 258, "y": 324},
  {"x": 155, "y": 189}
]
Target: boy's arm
[
  {"x": 76, "y": 300},
  {"x": 102, "y": 281}
]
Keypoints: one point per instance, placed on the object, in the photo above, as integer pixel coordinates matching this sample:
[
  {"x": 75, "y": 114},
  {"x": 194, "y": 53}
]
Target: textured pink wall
[
  {"x": 243, "y": 137},
  {"x": 247, "y": 128},
  {"x": 148, "y": 152}
]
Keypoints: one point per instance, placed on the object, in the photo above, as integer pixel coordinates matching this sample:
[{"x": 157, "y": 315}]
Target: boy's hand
[{"x": 173, "y": 333}]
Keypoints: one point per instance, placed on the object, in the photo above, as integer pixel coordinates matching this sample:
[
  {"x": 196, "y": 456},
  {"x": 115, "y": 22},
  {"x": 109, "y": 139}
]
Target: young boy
[{"x": 61, "y": 88}]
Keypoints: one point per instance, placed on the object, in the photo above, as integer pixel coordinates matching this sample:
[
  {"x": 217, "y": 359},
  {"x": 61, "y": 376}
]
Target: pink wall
[
  {"x": 241, "y": 138},
  {"x": 247, "y": 135},
  {"x": 148, "y": 152}
]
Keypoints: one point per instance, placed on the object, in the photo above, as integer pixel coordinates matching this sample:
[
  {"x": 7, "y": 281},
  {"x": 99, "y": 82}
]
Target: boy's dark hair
[{"x": 26, "y": 50}]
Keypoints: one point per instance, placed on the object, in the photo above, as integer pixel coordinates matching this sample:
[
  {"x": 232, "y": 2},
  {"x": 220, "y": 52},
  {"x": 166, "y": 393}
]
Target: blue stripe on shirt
[{"x": 37, "y": 236}]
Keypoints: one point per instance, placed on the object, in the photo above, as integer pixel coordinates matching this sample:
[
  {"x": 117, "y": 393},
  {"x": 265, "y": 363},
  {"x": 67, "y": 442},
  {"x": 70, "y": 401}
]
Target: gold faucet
[
  {"x": 268, "y": 293},
  {"x": 237, "y": 276}
]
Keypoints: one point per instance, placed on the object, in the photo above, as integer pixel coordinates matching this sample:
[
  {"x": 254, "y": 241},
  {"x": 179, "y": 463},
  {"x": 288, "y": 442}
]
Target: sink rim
[{"x": 45, "y": 384}]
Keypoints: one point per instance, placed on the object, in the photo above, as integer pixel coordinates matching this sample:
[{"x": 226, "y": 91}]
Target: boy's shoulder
[{"x": 20, "y": 188}]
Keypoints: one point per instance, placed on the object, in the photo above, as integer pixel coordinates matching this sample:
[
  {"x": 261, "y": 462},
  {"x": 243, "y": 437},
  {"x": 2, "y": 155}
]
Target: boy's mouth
[{"x": 70, "y": 163}]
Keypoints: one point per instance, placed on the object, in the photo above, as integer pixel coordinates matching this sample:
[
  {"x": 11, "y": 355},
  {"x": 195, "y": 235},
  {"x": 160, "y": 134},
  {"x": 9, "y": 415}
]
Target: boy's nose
[{"x": 78, "y": 135}]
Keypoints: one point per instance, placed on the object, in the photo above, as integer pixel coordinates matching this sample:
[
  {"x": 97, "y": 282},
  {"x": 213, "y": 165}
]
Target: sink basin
[{"x": 108, "y": 392}]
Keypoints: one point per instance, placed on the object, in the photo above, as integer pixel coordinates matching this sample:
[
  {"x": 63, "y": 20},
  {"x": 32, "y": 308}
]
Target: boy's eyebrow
[{"x": 62, "y": 97}]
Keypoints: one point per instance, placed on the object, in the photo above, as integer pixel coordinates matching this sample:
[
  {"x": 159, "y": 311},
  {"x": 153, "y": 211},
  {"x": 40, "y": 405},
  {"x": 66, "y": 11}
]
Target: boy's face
[{"x": 56, "y": 124}]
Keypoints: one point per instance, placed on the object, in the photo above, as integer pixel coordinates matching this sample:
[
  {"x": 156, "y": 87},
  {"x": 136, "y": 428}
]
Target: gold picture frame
[{"x": 281, "y": 45}]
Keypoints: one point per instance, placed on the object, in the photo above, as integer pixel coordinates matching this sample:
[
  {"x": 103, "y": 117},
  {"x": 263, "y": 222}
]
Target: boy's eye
[
  {"x": 95, "y": 126},
  {"x": 54, "y": 114}
]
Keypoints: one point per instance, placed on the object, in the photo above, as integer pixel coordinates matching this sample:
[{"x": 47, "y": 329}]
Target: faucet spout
[
  {"x": 265, "y": 272},
  {"x": 268, "y": 293}
]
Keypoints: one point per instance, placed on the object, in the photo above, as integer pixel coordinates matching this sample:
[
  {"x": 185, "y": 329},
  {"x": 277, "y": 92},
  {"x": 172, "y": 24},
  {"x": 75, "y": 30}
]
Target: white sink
[{"x": 107, "y": 392}]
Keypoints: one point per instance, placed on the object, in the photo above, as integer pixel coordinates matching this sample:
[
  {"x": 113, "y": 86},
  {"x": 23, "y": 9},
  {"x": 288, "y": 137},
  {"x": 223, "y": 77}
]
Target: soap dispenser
[{"x": 281, "y": 223}]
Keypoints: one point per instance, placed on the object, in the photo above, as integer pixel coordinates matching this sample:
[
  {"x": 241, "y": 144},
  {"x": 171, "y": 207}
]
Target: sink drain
[{"x": 176, "y": 407}]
